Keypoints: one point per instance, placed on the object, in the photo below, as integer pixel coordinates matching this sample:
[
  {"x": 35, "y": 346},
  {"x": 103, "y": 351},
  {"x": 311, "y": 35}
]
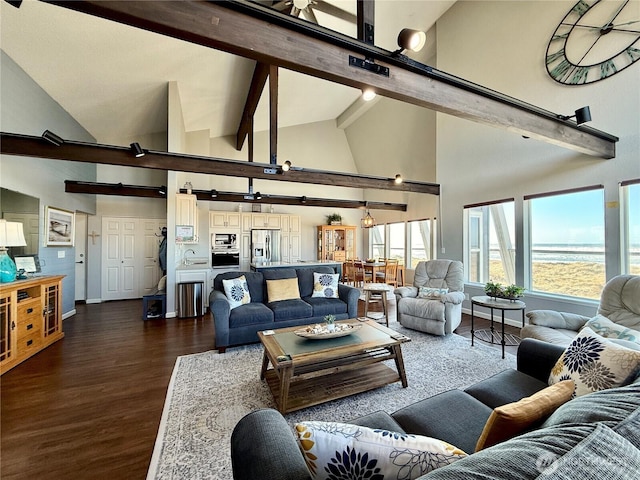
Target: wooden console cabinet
[
  {"x": 30, "y": 318},
  {"x": 336, "y": 242}
]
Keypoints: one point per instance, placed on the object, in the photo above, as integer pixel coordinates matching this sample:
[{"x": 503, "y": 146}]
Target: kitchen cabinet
[
  {"x": 336, "y": 242},
  {"x": 225, "y": 219},
  {"x": 187, "y": 214},
  {"x": 291, "y": 238},
  {"x": 266, "y": 220},
  {"x": 245, "y": 251},
  {"x": 30, "y": 318}
]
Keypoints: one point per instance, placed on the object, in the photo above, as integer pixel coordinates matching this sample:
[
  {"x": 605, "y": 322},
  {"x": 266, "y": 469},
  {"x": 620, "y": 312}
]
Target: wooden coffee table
[{"x": 309, "y": 372}]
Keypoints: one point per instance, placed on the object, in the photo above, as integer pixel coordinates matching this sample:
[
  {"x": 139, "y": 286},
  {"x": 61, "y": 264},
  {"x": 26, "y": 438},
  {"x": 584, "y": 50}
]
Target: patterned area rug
[{"x": 209, "y": 393}]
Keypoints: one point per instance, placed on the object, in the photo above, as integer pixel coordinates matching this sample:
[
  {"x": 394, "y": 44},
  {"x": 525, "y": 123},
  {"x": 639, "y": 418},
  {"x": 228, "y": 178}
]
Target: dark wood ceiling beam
[
  {"x": 252, "y": 31},
  {"x": 31, "y": 146},
  {"x": 258, "y": 81},
  {"x": 273, "y": 114},
  {"x": 118, "y": 189}
]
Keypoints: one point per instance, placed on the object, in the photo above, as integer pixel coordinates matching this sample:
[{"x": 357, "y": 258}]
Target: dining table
[{"x": 377, "y": 266}]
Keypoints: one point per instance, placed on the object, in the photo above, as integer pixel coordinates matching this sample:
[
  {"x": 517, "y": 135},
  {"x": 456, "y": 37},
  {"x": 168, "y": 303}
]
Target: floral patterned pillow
[
  {"x": 605, "y": 327},
  {"x": 340, "y": 450},
  {"x": 237, "y": 291},
  {"x": 325, "y": 285},
  {"x": 594, "y": 363},
  {"x": 432, "y": 293}
]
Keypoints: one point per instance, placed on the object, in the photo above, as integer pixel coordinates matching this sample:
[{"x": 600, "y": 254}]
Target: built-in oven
[
  {"x": 225, "y": 258},
  {"x": 224, "y": 241}
]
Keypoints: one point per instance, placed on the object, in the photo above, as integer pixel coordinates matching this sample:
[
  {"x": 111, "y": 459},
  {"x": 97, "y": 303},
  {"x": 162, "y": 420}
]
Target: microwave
[{"x": 224, "y": 241}]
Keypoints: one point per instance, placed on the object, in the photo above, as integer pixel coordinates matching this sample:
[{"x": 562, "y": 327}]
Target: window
[
  {"x": 630, "y": 204},
  {"x": 490, "y": 242},
  {"x": 396, "y": 241},
  {"x": 421, "y": 237},
  {"x": 376, "y": 241},
  {"x": 566, "y": 249}
]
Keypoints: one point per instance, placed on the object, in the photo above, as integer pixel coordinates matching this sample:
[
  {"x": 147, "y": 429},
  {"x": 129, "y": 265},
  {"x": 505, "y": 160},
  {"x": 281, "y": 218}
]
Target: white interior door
[
  {"x": 81, "y": 257},
  {"x": 119, "y": 273}
]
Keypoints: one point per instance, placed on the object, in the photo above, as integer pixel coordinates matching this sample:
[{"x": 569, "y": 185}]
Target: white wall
[{"x": 502, "y": 45}]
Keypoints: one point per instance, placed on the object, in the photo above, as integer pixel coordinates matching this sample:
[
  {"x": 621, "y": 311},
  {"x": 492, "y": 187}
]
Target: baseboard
[
  {"x": 70, "y": 313},
  {"x": 93, "y": 300}
]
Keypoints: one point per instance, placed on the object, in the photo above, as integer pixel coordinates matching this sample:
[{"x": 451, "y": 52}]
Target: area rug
[{"x": 209, "y": 392}]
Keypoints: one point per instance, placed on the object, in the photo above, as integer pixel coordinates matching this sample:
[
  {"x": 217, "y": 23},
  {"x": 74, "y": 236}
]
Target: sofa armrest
[
  {"x": 536, "y": 358},
  {"x": 263, "y": 447},
  {"x": 219, "y": 308},
  {"x": 553, "y": 319},
  {"x": 402, "y": 292},
  {"x": 350, "y": 296},
  {"x": 453, "y": 297}
]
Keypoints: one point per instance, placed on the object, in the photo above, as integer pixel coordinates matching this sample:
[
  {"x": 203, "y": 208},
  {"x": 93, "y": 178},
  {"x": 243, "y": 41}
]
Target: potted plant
[
  {"x": 493, "y": 289},
  {"x": 330, "y": 320},
  {"x": 513, "y": 292},
  {"x": 334, "y": 219}
]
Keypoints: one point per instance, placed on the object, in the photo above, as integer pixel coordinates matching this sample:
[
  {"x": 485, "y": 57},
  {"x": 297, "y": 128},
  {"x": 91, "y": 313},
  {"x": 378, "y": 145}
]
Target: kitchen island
[{"x": 262, "y": 266}]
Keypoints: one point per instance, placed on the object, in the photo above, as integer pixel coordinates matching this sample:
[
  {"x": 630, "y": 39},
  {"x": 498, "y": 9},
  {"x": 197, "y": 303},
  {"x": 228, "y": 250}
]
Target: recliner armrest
[
  {"x": 410, "y": 292},
  {"x": 553, "y": 319},
  {"x": 452, "y": 297}
]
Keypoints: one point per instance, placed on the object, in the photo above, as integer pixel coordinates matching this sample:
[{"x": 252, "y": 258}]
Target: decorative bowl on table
[{"x": 321, "y": 332}]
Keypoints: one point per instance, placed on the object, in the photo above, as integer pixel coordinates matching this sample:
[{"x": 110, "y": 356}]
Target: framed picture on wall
[{"x": 60, "y": 227}]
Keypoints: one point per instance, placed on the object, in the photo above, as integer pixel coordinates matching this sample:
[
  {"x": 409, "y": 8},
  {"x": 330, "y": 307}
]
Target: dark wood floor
[{"x": 89, "y": 406}]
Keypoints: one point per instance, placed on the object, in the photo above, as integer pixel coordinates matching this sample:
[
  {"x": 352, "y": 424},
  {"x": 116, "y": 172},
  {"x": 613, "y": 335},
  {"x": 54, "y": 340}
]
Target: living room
[{"x": 469, "y": 160}]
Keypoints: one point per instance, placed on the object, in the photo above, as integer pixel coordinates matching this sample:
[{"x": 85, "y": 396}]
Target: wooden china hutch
[{"x": 336, "y": 242}]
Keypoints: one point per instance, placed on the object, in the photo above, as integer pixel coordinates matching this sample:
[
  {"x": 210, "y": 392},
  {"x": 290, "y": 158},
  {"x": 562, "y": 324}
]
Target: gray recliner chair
[
  {"x": 437, "y": 316},
  {"x": 619, "y": 302}
]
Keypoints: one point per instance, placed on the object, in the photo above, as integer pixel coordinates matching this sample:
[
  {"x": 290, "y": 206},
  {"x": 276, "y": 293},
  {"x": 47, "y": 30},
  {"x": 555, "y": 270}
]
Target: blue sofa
[{"x": 241, "y": 325}]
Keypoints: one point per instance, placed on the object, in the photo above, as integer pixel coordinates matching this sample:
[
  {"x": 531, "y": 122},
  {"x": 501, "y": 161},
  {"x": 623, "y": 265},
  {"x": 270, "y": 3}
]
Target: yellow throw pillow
[
  {"x": 509, "y": 420},
  {"x": 284, "y": 289}
]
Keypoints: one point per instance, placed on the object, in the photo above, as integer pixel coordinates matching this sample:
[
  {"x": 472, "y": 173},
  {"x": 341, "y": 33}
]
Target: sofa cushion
[
  {"x": 595, "y": 363},
  {"x": 432, "y": 417},
  {"x": 290, "y": 309},
  {"x": 326, "y": 306},
  {"x": 255, "y": 280},
  {"x": 305, "y": 278},
  {"x": 325, "y": 285},
  {"x": 380, "y": 420},
  {"x": 569, "y": 452},
  {"x": 557, "y": 336},
  {"x": 340, "y": 450},
  {"x": 250, "y": 314},
  {"x": 605, "y": 327},
  {"x": 609, "y": 406},
  {"x": 492, "y": 392},
  {"x": 512, "y": 419},
  {"x": 283, "y": 289},
  {"x": 237, "y": 291}
]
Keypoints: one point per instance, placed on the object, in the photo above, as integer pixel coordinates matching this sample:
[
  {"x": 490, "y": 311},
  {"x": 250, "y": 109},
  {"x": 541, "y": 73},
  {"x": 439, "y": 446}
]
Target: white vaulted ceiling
[{"x": 112, "y": 78}]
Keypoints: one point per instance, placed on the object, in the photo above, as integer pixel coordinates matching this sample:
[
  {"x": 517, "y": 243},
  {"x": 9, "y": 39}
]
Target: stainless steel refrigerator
[{"x": 265, "y": 246}]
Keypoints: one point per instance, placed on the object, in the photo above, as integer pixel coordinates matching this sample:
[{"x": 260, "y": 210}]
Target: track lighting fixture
[
  {"x": 398, "y": 179},
  {"x": 51, "y": 137},
  {"x": 582, "y": 115},
  {"x": 258, "y": 196},
  {"x": 137, "y": 150},
  {"x": 409, "y": 39},
  {"x": 286, "y": 166},
  {"x": 162, "y": 190},
  {"x": 368, "y": 94},
  {"x": 214, "y": 193},
  {"x": 303, "y": 199}
]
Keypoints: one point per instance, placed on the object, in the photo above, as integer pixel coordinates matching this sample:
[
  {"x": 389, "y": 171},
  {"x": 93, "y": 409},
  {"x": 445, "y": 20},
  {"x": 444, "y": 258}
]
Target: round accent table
[{"x": 497, "y": 304}]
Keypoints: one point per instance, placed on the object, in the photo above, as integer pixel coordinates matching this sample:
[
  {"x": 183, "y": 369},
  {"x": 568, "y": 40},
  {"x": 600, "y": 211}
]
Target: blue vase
[{"x": 7, "y": 268}]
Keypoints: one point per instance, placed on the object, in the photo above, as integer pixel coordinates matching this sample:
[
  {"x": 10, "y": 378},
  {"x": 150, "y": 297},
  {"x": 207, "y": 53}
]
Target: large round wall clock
[{"x": 595, "y": 40}]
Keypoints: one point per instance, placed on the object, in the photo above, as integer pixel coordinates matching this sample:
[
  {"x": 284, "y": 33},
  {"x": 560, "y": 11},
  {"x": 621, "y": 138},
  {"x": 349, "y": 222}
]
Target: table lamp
[{"x": 11, "y": 235}]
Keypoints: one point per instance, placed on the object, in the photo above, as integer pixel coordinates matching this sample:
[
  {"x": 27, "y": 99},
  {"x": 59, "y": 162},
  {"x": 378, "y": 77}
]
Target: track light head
[
  {"x": 303, "y": 199},
  {"x": 214, "y": 193},
  {"x": 398, "y": 179},
  {"x": 51, "y": 137},
  {"x": 258, "y": 196},
  {"x": 409, "y": 39},
  {"x": 162, "y": 190},
  {"x": 286, "y": 166},
  {"x": 582, "y": 115},
  {"x": 137, "y": 150}
]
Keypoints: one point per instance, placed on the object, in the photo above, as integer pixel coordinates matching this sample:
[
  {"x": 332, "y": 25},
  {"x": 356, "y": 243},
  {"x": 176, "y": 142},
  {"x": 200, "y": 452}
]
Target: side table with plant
[{"x": 510, "y": 292}]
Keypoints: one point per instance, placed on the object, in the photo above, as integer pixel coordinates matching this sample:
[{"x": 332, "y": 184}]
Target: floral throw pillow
[
  {"x": 237, "y": 291},
  {"x": 325, "y": 285},
  {"x": 594, "y": 363},
  {"x": 340, "y": 450}
]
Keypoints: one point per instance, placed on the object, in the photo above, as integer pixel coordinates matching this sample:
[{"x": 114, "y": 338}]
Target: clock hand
[
  {"x": 609, "y": 24},
  {"x": 627, "y": 23}
]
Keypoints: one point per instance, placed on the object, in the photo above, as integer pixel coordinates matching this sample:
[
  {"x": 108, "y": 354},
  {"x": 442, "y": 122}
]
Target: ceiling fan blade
[
  {"x": 308, "y": 13},
  {"x": 330, "y": 9}
]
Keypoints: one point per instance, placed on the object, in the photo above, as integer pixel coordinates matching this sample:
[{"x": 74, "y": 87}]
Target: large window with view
[
  {"x": 566, "y": 249},
  {"x": 397, "y": 241},
  {"x": 490, "y": 242},
  {"x": 376, "y": 242},
  {"x": 631, "y": 227},
  {"x": 421, "y": 238}
]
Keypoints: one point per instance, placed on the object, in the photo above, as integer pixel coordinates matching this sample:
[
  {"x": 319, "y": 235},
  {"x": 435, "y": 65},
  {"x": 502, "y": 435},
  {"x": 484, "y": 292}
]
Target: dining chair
[
  {"x": 348, "y": 273},
  {"x": 389, "y": 275},
  {"x": 360, "y": 274}
]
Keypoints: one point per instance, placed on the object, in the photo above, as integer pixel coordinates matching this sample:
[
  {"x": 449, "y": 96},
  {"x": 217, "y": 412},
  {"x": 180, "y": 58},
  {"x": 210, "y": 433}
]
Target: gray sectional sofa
[
  {"x": 240, "y": 325},
  {"x": 592, "y": 436}
]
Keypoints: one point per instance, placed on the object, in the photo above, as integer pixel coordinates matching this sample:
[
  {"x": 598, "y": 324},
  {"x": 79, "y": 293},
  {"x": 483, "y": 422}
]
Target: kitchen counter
[{"x": 258, "y": 267}]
